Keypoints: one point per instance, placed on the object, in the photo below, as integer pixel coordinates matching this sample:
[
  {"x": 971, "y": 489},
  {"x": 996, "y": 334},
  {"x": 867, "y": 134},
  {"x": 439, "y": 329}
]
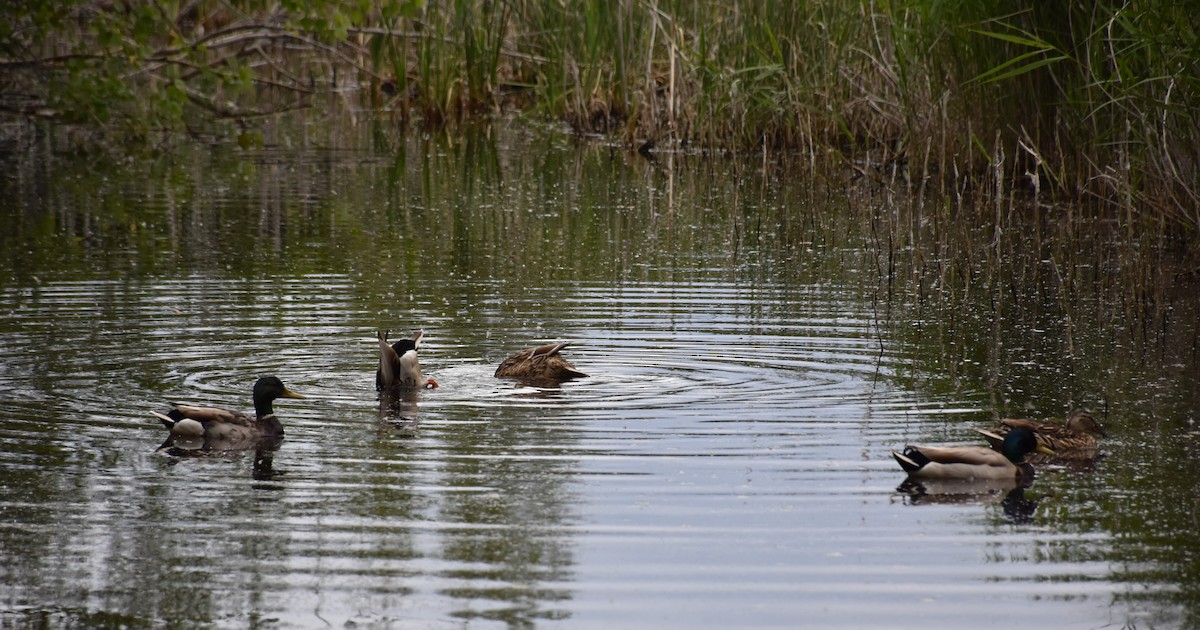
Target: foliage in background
[{"x": 1093, "y": 102}]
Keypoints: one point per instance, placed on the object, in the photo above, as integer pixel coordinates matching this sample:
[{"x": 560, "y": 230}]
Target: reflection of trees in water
[
  {"x": 501, "y": 510},
  {"x": 1045, "y": 311},
  {"x": 508, "y": 527},
  {"x": 1049, "y": 311}
]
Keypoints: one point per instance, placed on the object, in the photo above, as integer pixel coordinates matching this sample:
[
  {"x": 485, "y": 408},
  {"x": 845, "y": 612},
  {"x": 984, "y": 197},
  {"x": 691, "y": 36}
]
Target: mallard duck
[
  {"x": 225, "y": 429},
  {"x": 1073, "y": 438},
  {"x": 972, "y": 462},
  {"x": 540, "y": 363},
  {"x": 398, "y": 364}
]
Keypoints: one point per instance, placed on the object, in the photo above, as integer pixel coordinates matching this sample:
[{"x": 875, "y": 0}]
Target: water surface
[{"x": 757, "y": 342}]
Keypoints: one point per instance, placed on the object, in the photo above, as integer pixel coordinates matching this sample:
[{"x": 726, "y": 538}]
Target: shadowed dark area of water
[{"x": 756, "y": 346}]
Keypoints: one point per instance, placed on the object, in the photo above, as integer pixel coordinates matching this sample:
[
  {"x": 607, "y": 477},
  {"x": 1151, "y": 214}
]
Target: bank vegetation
[{"x": 1092, "y": 104}]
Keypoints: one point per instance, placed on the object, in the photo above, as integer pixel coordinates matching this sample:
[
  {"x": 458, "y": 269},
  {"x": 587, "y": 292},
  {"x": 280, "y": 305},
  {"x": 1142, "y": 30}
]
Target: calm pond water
[{"x": 757, "y": 340}]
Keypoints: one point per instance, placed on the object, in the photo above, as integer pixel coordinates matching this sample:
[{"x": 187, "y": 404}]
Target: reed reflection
[
  {"x": 509, "y": 536},
  {"x": 486, "y": 513}
]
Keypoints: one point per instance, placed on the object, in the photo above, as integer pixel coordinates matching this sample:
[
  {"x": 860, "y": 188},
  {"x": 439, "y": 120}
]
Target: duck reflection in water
[
  {"x": 264, "y": 454},
  {"x": 1010, "y": 495},
  {"x": 264, "y": 465},
  {"x": 398, "y": 408}
]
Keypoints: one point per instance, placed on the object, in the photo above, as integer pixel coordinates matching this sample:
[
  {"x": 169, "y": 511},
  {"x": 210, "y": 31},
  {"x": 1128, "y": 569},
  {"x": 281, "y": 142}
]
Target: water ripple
[{"x": 719, "y": 427}]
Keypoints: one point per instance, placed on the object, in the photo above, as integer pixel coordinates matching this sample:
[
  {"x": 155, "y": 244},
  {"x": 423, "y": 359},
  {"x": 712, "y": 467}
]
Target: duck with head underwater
[
  {"x": 222, "y": 429},
  {"x": 972, "y": 462},
  {"x": 543, "y": 363},
  {"x": 398, "y": 364}
]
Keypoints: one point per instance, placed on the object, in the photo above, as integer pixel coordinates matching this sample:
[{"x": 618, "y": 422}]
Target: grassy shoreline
[{"x": 1091, "y": 105}]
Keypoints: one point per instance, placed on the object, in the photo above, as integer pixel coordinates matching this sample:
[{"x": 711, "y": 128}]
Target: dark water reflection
[{"x": 756, "y": 345}]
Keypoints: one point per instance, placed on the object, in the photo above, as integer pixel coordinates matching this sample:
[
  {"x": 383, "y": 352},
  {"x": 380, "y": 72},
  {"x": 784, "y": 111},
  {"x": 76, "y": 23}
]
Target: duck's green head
[
  {"x": 1020, "y": 442},
  {"x": 268, "y": 388}
]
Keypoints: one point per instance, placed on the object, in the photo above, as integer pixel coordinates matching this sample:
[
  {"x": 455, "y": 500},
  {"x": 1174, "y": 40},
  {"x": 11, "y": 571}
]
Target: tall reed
[
  {"x": 1087, "y": 102},
  {"x": 1083, "y": 102}
]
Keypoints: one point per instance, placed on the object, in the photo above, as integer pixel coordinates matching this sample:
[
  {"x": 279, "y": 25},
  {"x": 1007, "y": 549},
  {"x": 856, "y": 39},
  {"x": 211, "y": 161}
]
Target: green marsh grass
[
  {"x": 1092, "y": 104},
  {"x": 1082, "y": 103}
]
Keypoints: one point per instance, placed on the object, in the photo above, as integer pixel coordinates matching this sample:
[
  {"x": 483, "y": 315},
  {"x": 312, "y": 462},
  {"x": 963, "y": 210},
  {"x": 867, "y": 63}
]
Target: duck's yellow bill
[
  {"x": 1045, "y": 450},
  {"x": 287, "y": 393}
]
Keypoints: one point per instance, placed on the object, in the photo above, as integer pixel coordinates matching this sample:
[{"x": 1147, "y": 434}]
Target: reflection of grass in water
[
  {"x": 449, "y": 238},
  {"x": 1023, "y": 296}
]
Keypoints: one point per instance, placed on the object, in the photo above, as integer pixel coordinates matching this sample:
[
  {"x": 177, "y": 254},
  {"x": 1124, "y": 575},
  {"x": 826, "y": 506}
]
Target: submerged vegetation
[{"x": 1060, "y": 102}]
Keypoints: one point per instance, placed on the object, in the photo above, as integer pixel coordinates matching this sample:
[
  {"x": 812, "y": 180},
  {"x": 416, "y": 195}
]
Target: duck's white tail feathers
[{"x": 165, "y": 419}]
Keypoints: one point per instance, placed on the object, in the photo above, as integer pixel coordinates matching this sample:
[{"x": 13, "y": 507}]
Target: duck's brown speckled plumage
[
  {"x": 1074, "y": 438},
  {"x": 542, "y": 362}
]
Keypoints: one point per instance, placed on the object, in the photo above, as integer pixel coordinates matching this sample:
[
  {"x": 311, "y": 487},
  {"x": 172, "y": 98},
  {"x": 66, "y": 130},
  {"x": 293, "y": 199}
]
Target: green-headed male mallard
[
  {"x": 972, "y": 462},
  {"x": 1071, "y": 439},
  {"x": 540, "y": 363},
  {"x": 398, "y": 364},
  {"x": 222, "y": 429}
]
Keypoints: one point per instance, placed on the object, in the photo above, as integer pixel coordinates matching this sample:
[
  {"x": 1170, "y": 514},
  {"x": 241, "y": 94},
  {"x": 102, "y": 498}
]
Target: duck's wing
[
  {"x": 542, "y": 361},
  {"x": 560, "y": 368},
  {"x": 517, "y": 364},
  {"x": 1022, "y": 423},
  {"x": 210, "y": 427},
  {"x": 230, "y": 436},
  {"x": 969, "y": 455},
  {"x": 1040, "y": 429},
  {"x": 551, "y": 348},
  {"x": 211, "y": 415}
]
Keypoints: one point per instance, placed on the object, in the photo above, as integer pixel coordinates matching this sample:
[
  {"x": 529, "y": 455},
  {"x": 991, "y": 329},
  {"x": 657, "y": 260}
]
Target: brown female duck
[
  {"x": 540, "y": 363},
  {"x": 1074, "y": 438}
]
